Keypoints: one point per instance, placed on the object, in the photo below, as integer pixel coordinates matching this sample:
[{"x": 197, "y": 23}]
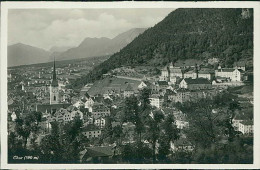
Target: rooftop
[
  {"x": 90, "y": 127},
  {"x": 247, "y": 122},
  {"x": 197, "y": 81}
]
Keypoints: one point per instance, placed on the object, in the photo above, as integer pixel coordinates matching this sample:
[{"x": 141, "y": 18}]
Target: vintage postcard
[{"x": 130, "y": 85}]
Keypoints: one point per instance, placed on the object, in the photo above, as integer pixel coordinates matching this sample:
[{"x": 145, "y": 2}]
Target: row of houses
[{"x": 171, "y": 73}]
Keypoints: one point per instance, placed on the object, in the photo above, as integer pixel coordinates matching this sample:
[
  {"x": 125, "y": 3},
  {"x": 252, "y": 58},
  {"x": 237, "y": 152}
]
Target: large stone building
[
  {"x": 195, "y": 84},
  {"x": 171, "y": 73},
  {"x": 234, "y": 74}
]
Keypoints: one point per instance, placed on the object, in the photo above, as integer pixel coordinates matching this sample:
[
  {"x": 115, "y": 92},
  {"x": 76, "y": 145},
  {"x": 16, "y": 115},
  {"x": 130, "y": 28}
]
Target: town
[{"x": 116, "y": 111}]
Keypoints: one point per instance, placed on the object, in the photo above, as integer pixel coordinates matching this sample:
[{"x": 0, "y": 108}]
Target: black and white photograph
[{"x": 139, "y": 85}]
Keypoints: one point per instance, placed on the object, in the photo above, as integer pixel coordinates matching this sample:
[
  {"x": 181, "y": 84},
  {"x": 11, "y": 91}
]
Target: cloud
[{"x": 46, "y": 28}]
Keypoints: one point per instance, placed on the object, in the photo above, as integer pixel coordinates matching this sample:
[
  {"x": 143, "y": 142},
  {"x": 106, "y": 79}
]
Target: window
[{"x": 54, "y": 98}]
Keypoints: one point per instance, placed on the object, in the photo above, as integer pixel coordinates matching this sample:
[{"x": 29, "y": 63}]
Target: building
[
  {"x": 171, "y": 73},
  {"x": 181, "y": 120},
  {"x": 144, "y": 84},
  {"x": 98, "y": 154},
  {"x": 246, "y": 127},
  {"x": 54, "y": 88},
  {"x": 182, "y": 144},
  {"x": 195, "y": 84},
  {"x": 156, "y": 100},
  {"x": 164, "y": 74},
  {"x": 129, "y": 91},
  {"x": 100, "y": 110},
  {"x": 206, "y": 74},
  {"x": 190, "y": 74},
  {"x": 238, "y": 119},
  {"x": 91, "y": 131},
  {"x": 240, "y": 65},
  {"x": 234, "y": 74},
  {"x": 184, "y": 95},
  {"x": 101, "y": 122},
  {"x": 175, "y": 71}
]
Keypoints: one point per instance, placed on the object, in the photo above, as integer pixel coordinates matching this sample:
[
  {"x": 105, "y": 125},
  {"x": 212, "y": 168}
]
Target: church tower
[{"x": 54, "y": 88}]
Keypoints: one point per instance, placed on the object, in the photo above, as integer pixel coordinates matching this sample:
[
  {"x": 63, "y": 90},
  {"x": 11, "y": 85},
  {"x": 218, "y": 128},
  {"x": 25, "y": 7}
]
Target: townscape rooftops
[
  {"x": 226, "y": 70},
  {"x": 100, "y": 151},
  {"x": 162, "y": 83},
  {"x": 90, "y": 127},
  {"x": 176, "y": 70},
  {"x": 247, "y": 122},
  {"x": 156, "y": 96},
  {"x": 206, "y": 72},
  {"x": 50, "y": 107},
  {"x": 197, "y": 81}
]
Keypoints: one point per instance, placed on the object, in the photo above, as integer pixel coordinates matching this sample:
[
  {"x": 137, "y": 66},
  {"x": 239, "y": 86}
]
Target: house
[
  {"x": 91, "y": 131},
  {"x": 190, "y": 74},
  {"x": 100, "y": 122},
  {"x": 238, "y": 119},
  {"x": 100, "y": 110},
  {"x": 240, "y": 65},
  {"x": 129, "y": 91},
  {"x": 144, "y": 84},
  {"x": 195, "y": 84},
  {"x": 206, "y": 74},
  {"x": 181, "y": 120},
  {"x": 89, "y": 102},
  {"x": 156, "y": 100},
  {"x": 13, "y": 116},
  {"x": 234, "y": 74},
  {"x": 181, "y": 144},
  {"x": 98, "y": 154},
  {"x": 175, "y": 72},
  {"x": 164, "y": 74},
  {"x": 246, "y": 127}
]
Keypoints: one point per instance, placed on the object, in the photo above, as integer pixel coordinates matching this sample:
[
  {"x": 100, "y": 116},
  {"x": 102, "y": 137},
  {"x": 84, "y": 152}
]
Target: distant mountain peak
[{"x": 91, "y": 47}]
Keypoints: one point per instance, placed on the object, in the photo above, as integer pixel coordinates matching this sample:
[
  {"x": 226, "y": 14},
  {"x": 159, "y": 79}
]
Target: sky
[{"x": 45, "y": 28}]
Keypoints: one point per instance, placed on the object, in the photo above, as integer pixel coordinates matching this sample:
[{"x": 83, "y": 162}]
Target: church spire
[
  {"x": 54, "y": 78},
  {"x": 54, "y": 71}
]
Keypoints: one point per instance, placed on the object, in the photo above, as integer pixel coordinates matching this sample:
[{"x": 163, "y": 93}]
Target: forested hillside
[{"x": 187, "y": 33}]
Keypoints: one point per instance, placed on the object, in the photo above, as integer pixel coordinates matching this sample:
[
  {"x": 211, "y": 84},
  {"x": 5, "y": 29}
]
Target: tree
[
  {"x": 153, "y": 130},
  {"x": 132, "y": 114},
  {"x": 27, "y": 124},
  {"x": 117, "y": 133},
  {"x": 144, "y": 98},
  {"x": 170, "y": 133}
]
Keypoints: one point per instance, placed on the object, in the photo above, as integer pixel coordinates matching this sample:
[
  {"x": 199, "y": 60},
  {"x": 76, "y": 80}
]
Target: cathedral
[
  {"x": 54, "y": 88},
  {"x": 55, "y": 98}
]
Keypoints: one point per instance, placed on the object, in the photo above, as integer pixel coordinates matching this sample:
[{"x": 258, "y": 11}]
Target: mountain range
[
  {"x": 224, "y": 33},
  {"x": 22, "y": 54}
]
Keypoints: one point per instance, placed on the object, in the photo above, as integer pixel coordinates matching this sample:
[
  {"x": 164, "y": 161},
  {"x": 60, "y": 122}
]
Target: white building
[
  {"x": 156, "y": 100},
  {"x": 246, "y": 127},
  {"x": 234, "y": 74},
  {"x": 13, "y": 116},
  {"x": 101, "y": 122}
]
